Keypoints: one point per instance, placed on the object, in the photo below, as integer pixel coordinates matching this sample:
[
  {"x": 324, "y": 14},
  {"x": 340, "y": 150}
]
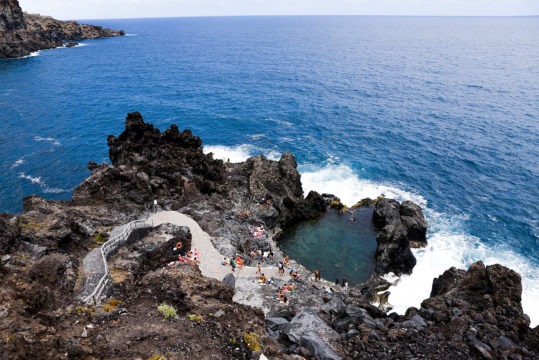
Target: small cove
[{"x": 339, "y": 245}]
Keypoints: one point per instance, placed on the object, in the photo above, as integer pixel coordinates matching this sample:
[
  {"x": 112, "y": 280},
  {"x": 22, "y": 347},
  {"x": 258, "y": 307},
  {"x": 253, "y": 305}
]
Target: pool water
[{"x": 339, "y": 245}]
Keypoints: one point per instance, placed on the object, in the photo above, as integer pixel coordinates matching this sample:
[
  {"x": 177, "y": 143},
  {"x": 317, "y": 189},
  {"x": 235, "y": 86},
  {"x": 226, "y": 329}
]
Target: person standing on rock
[
  {"x": 233, "y": 264},
  {"x": 259, "y": 271},
  {"x": 281, "y": 269},
  {"x": 316, "y": 275}
]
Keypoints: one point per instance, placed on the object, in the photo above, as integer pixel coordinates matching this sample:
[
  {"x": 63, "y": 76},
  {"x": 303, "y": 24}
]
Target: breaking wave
[
  {"x": 240, "y": 153},
  {"x": 449, "y": 244}
]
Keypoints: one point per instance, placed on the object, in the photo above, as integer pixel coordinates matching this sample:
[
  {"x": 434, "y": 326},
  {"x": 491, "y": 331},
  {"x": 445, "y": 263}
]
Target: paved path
[{"x": 247, "y": 291}]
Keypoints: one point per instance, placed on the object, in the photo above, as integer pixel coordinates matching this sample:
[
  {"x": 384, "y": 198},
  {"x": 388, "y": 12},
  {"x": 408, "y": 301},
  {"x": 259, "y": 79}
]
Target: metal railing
[{"x": 111, "y": 245}]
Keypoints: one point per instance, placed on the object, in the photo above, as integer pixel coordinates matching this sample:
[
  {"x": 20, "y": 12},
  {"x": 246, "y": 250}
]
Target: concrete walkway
[{"x": 247, "y": 290}]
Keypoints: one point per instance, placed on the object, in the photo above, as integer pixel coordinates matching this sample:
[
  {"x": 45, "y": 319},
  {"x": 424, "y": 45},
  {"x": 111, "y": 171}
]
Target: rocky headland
[
  {"x": 474, "y": 313},
  {"x": 22, "y": 34}
]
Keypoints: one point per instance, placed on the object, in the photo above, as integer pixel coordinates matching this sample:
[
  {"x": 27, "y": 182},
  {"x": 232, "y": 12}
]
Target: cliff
[
  {"x": 475, "y": 313},
  {"x": 21, "y": 34}
]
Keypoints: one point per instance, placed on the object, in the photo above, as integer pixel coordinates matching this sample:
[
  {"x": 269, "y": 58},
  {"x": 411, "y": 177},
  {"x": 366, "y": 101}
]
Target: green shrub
[
  {"x": 99, "y": 238},
  {"x": 167, "y": 311},
  {"x": 194, "y": 317},
  {"x": 157, "y": 357},
  {"x": 85, "y": 310},
  {"x": 111, "y": 304},
  {"x": 251, "y": 339}
]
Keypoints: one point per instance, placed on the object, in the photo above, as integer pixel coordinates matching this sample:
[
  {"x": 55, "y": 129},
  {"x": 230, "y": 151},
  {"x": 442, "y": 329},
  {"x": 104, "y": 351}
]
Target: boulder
[
  {"x": 412, "y": 218},
  {"x": 276, "y": 323},
  {"x": 446, "y": 281},
  {"x": 483, "y": 297},
  {"x": 335, "y": 307},
  {"x": 229, "y": 280},
  {"x": 307, "y": 321},
  {"x": 317, "y": 347},
  {"x": 397, "y": 225}
]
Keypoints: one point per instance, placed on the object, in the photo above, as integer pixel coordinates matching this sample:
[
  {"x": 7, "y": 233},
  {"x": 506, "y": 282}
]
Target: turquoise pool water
[{"x": 339, "y": 245}]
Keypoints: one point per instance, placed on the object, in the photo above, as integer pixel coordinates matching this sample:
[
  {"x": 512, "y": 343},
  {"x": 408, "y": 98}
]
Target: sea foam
[
  {"x": 48, "y": 139},
  {"x": 17, "y": 163},
  {"x": 39, "y": 181},
  {"x": 240, "y": 153},
  {"x": 33, "y": 54},
  {"x": 449, "y": 244}
]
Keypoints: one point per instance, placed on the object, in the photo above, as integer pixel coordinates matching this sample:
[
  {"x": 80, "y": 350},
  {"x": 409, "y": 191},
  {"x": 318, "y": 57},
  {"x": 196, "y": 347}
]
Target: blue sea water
[{"x": 442, "y": 111}]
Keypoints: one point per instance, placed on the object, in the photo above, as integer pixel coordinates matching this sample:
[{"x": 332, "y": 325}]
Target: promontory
[{"x": 22, "y": 34}]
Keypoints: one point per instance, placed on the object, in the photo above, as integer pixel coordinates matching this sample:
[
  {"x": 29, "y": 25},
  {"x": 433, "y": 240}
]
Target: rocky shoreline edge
[
  {"x": 475, "y": 313},
  {"x": 22, "y": 34}
]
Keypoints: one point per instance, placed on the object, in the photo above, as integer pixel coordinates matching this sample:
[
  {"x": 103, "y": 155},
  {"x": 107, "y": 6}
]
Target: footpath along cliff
[
  {"x": 21, "y": 33},
  {"x": 474, "y": 313}
]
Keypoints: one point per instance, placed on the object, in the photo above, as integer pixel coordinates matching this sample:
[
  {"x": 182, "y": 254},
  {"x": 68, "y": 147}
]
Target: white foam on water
[
  {"x": 280, "y": 122},
  {"x": 65, "y": 46},
  {"x": 33, "y": 180},
  {"x": 341, "y": 181},
  {"x": 34, "y": 54},
  {"x": 48, "y": 139},
  {"x": 131, "y": 35},
  {"x": 17, "y": 163},
  {"x": 256, "y": 136},
  {"x": 39, "y": 181},
  {"x": 449, "y": 245},
  {"x": 240, "y": 153}
]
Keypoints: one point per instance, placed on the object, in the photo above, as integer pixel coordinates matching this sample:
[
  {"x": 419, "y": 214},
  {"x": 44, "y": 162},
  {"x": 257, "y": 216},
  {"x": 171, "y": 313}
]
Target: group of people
[
  {"x": 257, "y": 231},
  {"x": 262, "y": 255},
  {"x": 237, "y": 262},
  {"x": 285, "y": 289},
  {"x": 191, "y": 257}
]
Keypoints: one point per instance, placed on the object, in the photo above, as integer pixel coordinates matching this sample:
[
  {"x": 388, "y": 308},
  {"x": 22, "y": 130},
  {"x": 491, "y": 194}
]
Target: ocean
[{"x": 443, "y": 111}]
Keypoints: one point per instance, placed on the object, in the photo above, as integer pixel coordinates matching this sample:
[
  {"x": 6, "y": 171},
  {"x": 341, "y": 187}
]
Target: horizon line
[{"x": 290, "y": 15}]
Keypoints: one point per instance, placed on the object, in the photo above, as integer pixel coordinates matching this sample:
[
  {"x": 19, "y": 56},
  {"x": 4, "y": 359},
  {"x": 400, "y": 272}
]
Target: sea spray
[
  {"x": 240, "y": 153},
  {"x": 449, "y": 243}
]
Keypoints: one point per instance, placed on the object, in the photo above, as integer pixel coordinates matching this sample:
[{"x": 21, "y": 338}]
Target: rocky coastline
[
  {"x": 473, "y": 313},
  {"x": 22, "y": 34}
]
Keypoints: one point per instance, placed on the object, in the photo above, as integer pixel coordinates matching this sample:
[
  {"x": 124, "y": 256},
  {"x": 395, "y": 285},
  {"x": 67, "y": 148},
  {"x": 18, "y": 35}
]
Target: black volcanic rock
[
  {"x": 11, "y": 16},
  {"x": 471, "y": 314},
  {"x": 277, "y": 187},
  {"x": 482, "y": 308},
  {"x": 396, "y": 226},
  {"x": 149, "y": 164},
  {"x": 412, "y": 218},
  {"x": 11, "y": 234},
  {"x": 22, "y": 34}
]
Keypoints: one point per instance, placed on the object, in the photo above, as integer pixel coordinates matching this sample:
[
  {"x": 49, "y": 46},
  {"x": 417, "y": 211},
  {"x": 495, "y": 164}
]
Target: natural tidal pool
[{"x": 339, "y": 245}]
